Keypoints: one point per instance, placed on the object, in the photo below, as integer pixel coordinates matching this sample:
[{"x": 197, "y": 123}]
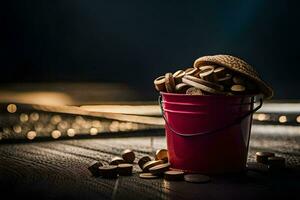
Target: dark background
[{"x": 134, "y": 42}]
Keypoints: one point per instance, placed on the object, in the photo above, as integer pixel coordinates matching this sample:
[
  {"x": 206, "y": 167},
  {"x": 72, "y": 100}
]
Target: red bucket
[{"x": 208, "y": 134}]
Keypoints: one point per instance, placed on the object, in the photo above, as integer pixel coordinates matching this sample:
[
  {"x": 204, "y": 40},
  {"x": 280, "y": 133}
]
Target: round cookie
[
  {"x": 159, "y": 83},
  {"x": 169, "y": 82},
  {"x": 202, "y": 84}
]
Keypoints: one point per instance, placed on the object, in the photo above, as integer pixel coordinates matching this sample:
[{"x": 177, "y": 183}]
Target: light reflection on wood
[{"x": 115, "y": 116}]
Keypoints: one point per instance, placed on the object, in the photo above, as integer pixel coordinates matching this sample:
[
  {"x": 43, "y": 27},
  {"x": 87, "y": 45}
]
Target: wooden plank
[{"x": 59, "y": 169}]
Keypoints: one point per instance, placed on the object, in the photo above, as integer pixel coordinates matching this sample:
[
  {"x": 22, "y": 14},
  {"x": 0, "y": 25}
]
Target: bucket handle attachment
[{"x": 238, "y": 120}]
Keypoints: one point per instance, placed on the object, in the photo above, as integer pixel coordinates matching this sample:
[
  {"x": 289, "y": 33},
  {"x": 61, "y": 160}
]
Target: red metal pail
[{"x": 208, "y": 134}]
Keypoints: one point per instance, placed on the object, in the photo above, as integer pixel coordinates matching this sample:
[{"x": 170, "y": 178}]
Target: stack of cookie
[{"x": 219, "y": 74}]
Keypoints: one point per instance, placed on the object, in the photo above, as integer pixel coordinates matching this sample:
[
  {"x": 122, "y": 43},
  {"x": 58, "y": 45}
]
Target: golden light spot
[
  {"x": 129, "y": 125},
  {"x": 261, "y": 117},
  {"x": 75, "y": 126},
  {"x": 96, "y": 123},
  {"x": 34, "y": 116},
  {"x": 282, "y": 119},
  {"x": 79, "y": 120},
  {"x": 55, "y": 119},
  {"x": 49, "y": 127},
  {"x": 23, "y": 117},
  {"x": 122, "y": 126},
  {"x": 93, "y": 131},
  {"x": 12, "y": 108},
  {"x": 31, "y": 135},
  {"x": 56, "y": 134},
  {"x": 100, "y": 129},
  {"x": 63, "y": 125},
  {"x": 17, "y": 128},
  {"x": 115, "y": 123},
  {"x": 135, "y": 126},
  {"x": 114, "y": 126},
  {"x": 38, "y": 126},
  {"x": 87, "y": 125},
  {"x": 113, "y": 129},
  {"x": 71, "y": 132},
  {"x": 298, "y": 119}
]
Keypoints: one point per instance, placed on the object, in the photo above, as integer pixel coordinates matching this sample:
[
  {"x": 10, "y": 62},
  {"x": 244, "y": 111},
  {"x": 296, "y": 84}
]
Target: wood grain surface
[{"x": 58, "y": 169}]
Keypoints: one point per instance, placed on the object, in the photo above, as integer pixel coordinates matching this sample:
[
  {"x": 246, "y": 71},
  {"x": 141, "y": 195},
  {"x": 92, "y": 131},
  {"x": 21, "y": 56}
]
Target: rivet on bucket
[{"x": 208, "y": 134}]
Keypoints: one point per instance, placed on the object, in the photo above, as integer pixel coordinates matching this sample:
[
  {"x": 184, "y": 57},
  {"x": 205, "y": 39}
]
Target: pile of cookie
[
  {"x": 219, "y": 74},
  {"x": 151, "y": 169},
  {"x": 160, "y": 167},
  {"x": 208, "y": 79},
  {"x": 118, "y": 166}
]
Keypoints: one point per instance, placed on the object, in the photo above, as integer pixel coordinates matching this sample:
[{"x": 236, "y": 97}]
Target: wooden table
[{"x": 58, "y": 169}]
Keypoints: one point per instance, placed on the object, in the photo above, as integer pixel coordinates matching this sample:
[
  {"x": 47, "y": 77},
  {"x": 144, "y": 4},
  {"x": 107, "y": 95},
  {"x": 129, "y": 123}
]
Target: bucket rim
[
  {"x": 203, "y": 104},
  {"x": 210, "y": 96}
]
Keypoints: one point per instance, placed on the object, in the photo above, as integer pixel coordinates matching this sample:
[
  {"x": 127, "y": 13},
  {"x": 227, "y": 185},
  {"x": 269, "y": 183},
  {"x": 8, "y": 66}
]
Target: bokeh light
[
  {"x": 17, "y": 128},
  {"x": 24, "y": 117},
  {"x": 71, "y": 132},
  {"x": 55, "y": 119},
  {"x": 282, "y": 119},
  {"x": 298, "y": 119},
  {"x": 31, "y": 135},
  {"x": 55, "y": 134},
  {"x": 12, "y": 108},
  {"x": 93, "y": 131},
  {"x": 34, "y": 116}
]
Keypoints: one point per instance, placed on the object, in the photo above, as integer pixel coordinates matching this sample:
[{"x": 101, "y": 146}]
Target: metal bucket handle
[{"x": 237, "y": 121}]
